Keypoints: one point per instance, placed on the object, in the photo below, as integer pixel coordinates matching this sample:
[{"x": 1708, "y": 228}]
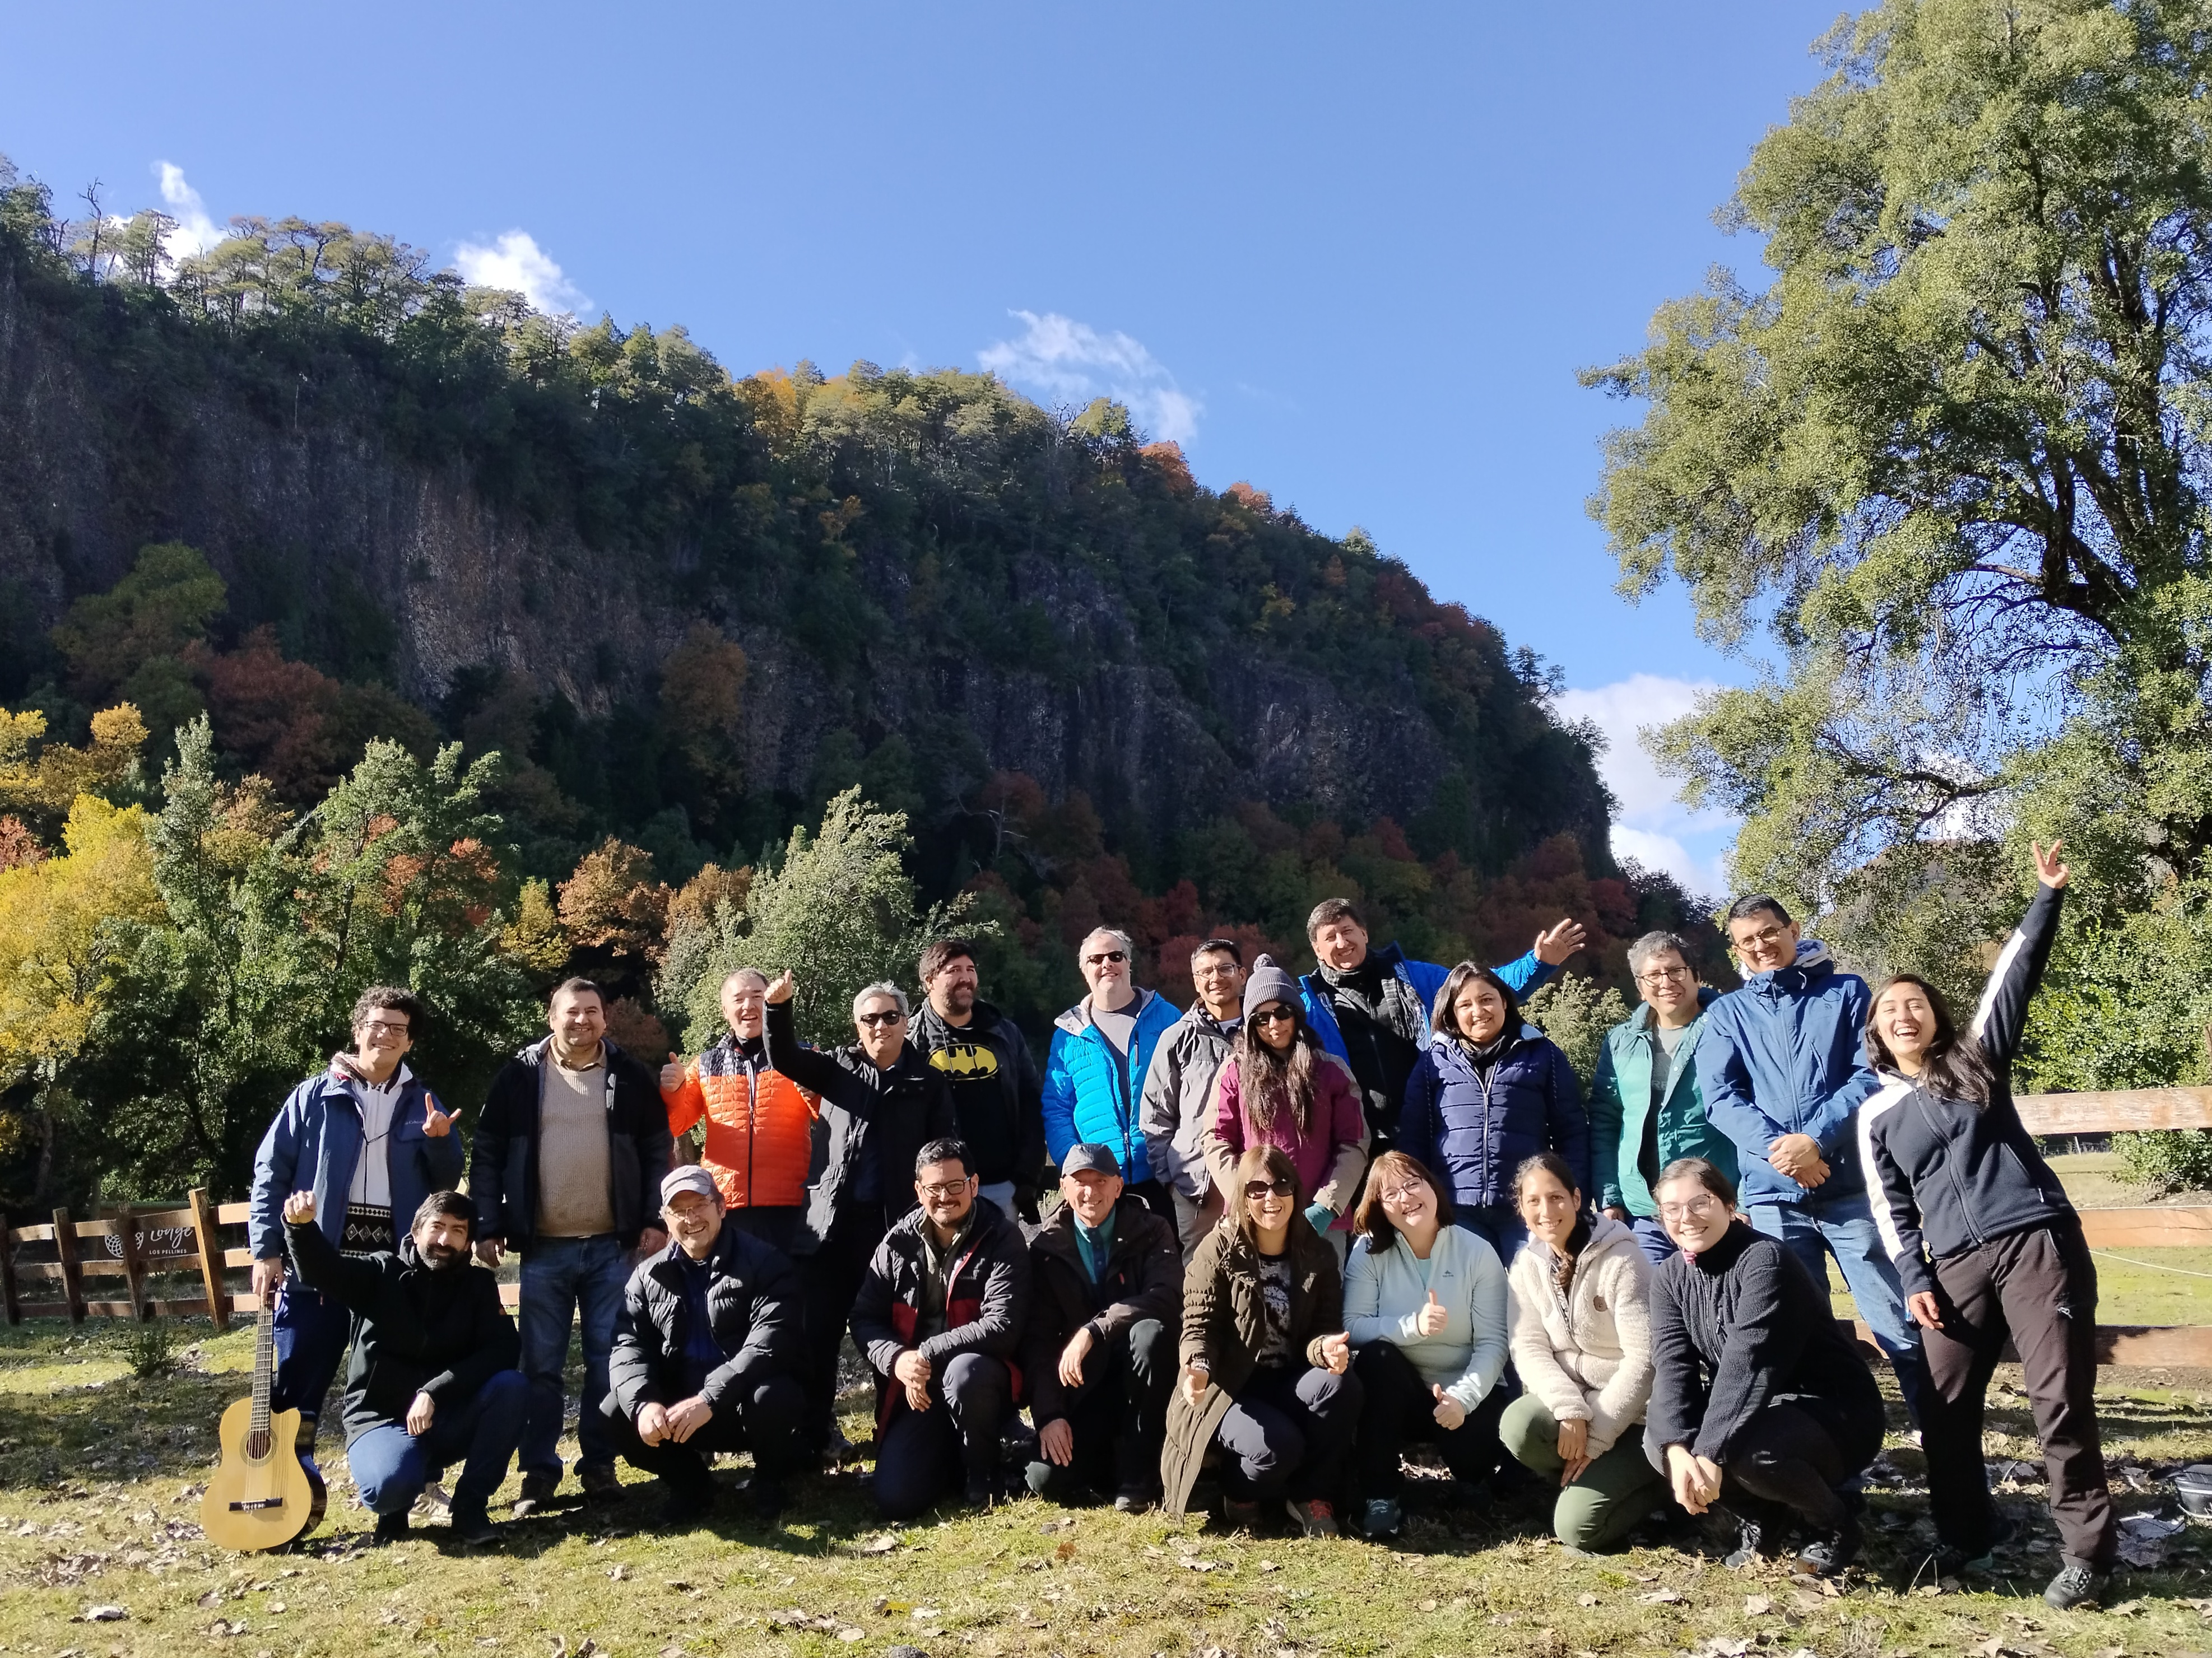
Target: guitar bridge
[{"x": 249, "y": 1508}]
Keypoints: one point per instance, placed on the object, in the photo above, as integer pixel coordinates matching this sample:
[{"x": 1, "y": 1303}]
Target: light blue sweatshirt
[{"x": 1383, "y": 1294}]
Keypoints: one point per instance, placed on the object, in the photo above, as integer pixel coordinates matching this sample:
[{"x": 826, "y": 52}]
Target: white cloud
[
  {"x": 196, "y": 233},
  {"x": 1654, "y": 828},
  {"x": 1072, "y": 362},
  {"x": 516, "y": 263}
]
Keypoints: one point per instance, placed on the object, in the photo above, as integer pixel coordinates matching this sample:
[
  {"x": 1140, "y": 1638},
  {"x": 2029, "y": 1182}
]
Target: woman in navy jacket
[
  {"x": 1490, "y": 1093},
  {"x": 1986, "y": 1245}
]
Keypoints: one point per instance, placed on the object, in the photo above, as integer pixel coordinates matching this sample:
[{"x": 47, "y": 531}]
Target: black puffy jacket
[
  {"x": 1948, "y": 1175},
  {"x": 752, "y": 1302},
  {"x": 503, "y": 1167}
]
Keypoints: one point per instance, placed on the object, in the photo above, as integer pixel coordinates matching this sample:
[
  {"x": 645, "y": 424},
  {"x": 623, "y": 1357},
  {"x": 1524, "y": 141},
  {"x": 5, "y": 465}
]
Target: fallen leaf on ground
[{"x": 1757, "y": 1605}]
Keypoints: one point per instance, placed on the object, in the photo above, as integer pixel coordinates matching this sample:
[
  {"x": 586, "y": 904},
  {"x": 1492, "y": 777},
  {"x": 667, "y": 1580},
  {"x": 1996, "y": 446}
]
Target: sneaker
[
  {"x": 473, "y": 1528},
  {"x": 1381, "y": 1518},
  {"x": 600, "y": 1482},
  {"x": 1135, "y": 1499},
  {"x": 1952, "y": 1561},
  {"x": 1240, "y": 1516},
  {"x": 1830, "y": 1552},
  {"x": 390, "y": 1528},
  {"x": 1753, "y": 1546},
  {"x": 538, "y": 1489},
  {"x": 982, "y": 1490},
  {"x": 765, "y": 1498},
  {"x": 683, "y": 1507},
  {"x": 2078, "y": 1586},
  {"x": 1315, "y": 1518},
  {"x": 836, "y": 1449}
]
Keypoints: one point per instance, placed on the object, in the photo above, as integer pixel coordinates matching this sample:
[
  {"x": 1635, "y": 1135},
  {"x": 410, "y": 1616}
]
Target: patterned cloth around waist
[{"x": 367, "y": 1231}]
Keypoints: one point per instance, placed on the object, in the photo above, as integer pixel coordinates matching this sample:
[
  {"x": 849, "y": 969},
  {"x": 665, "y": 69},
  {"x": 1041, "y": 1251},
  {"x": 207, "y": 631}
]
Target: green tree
[
  {"x": 131, "y": 641},
  {"x": 1576, "y": 1013}
]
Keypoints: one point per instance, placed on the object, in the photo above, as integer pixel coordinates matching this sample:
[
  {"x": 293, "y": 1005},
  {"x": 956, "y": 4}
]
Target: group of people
[{"x": 1301, "y": 1226}]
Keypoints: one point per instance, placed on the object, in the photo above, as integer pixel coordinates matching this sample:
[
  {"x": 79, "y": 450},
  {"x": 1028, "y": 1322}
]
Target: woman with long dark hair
[
  {"x": 1986, "y": 1246},
  {"x": 1281, "y": 1088},
  {"x": 1425, "y": 1303},
  {"x": 1491, "y": 1092}
]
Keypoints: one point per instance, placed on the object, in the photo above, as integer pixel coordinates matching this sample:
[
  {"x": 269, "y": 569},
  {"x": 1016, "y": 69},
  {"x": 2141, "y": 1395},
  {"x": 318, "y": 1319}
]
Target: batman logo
[{"x": 965, "y": 1061}]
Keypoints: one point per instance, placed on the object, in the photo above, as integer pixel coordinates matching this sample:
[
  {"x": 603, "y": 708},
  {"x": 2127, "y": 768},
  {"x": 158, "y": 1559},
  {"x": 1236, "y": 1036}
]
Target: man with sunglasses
[
  {"x": 939, "y": 1318},
  {"x": 1178, "y": 1100},
  {"x": 1094, "y": 1072},
  {"x": 991, "y": 1070},
  {"x": 881, "y": 1104}
]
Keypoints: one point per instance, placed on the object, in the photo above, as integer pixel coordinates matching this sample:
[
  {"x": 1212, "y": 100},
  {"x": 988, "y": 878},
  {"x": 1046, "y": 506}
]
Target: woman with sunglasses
[
  {"x": 1281, "y": 1088},
  {"x": 1761, "y": 1406},
  {"x": 1580, "y": 1299},
  {"x": 1424, "y": 1305},
  {"x": 1490, "y": 1093},
  {"x": 1267, "y": 1368}
]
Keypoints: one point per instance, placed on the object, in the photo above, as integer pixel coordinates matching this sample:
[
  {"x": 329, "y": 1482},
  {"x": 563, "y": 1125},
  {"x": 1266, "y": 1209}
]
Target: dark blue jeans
[
  {"x": 1499, "y": 1225},
  {"x": 1651, "y": 1238},
  {"x": 392, "y": 1466},
  {"x": 309, "y": 1333},
  {"x": 560, "y": 1279},
  {"x": 1843, "y": 1226}
]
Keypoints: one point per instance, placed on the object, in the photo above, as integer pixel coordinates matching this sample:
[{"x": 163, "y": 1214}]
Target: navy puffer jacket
[{"x": 1473, "y": 1132}]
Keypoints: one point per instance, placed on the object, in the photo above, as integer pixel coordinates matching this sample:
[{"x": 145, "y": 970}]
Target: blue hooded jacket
[
  {"x": 1786, "y": 1055},
  {"x": 1091, "y": 1095},
  {"x": 315, "y": 1142},
  {"x": 1426, "y": 978}
]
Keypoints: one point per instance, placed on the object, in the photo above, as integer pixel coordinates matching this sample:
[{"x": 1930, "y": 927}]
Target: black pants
[
  {"x": 921, "y": 1454},
  {"x": 1118, "y": 1417},
  {"x": 829, "y": 1279},
  {"x": 776, "y": 1226},
  {"x": 1792, "y": 1457},
  {"x": 1400, "y": 1410},
  {"x": 2040, "y": 1288},
  {"x": 766, "y": 1421},
  {"x": 1288, "y": 1433}
]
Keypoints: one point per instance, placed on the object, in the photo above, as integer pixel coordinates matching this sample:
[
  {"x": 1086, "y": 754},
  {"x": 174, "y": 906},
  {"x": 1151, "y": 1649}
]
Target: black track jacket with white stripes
[{"x": 1946, "y": 1176}]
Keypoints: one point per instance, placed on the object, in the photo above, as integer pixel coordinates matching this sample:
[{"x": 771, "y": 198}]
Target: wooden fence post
[
  {"x": 9, "y": 1294},
  {"x": 65, "y": 1252},
  {"x": 134, "y": 1264},
  {"x": 208, "y": 1239}
]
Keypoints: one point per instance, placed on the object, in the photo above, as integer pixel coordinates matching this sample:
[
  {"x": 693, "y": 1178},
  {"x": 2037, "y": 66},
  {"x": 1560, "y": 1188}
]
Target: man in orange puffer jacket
[{"x": 760, "y": 1124}]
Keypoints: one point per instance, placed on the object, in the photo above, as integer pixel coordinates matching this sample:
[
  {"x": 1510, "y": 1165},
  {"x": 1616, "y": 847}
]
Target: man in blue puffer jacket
[
  {"x": 1783, "y": 1069},
  {"x": 1094, "y": 1073},
  {"x": 1372, "y": 1008}
]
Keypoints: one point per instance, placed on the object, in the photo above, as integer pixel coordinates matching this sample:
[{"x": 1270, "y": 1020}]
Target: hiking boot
[
  {"x": 1950, "y": 1561},
  {"x": 683, "y": 1507},
  {"x": 1753, "y": 1546},
  {"x": 1381, "y": 1518},
  {"x": 538, "y": 1489},
  {"x": 600, "y": 1482},
  {"x": 1240, "y": 1516},
  {"x": 982, "y": 1490},
  {"x": 765, "y": 1498},
  {"x": 2078, "y": 1586},
  {"x": 473, "y": 1528},
  {"x": 390, "y": 1528},
  {"x": 1315, "y": 1518},
  {"x": 836, "y": 1449},
  {"x": 1830, "y": 1552}
]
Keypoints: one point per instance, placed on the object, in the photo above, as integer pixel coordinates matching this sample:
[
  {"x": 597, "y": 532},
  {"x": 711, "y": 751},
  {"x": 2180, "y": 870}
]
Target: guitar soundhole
[{"x": 256, "y": 1446}]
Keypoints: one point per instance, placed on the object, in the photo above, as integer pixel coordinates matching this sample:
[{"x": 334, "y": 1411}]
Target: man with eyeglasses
[
  {"x": 1372, "y": 1008},
  {"x": 1645, "y": 1107},
  {"x": 939, "y": 1318},
  {"x": 991, "y": 1070},
  {"x": 881, "y": 1104},
  {"x": 1094, "y": 1072},
  {"x": 1783, "y": 1068},
  {"x": 1178, "y": 1098},
  {"x": 369, "y": 1140},
  {"x": 760, "y": 1124}
]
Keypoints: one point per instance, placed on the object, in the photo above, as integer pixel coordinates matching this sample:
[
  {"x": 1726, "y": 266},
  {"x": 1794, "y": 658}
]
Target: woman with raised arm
[
  {"x": 1760, "y": 1405},
  {"x": 1267, "y": 1368},
  {"x": 1425, "y": 1305},
  {"x": 1581, "y": 1335},
  {"x": 1987, "y": 1246}
]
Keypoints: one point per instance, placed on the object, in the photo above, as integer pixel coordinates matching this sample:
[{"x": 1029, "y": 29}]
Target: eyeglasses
[
  {"x": 1104, "y": 958},
  {"x": 1703, "y": 1205},
  {"x": 1278, "y": 1015},
  {"x": 1398, "y": 1196},
  {"x": 1256, "y": 1189},
  {"x": 1660, "y": 975},
  {"x": 383, "y": 1028},
  {"x": 888, "y": 1015},
  {"x": 943, "y": 1191},
  {"x": 1766, "y": 937},
  {"x": 1216, "y": 970}
]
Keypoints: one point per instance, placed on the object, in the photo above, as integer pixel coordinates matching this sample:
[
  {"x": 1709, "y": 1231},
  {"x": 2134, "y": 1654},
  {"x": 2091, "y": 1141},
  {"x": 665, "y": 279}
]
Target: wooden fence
[{"x": 175, "y": 1262}]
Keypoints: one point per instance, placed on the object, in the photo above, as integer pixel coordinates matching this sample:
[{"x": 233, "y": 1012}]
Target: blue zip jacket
[
  {"x": 1472, "y": 1135},
  {"x": 1426, "y": 978},
  {"x": 316, "y": 1138},
  {"x": 1785, "y": 1055},
  {"x": 1091, "y": 1095}
]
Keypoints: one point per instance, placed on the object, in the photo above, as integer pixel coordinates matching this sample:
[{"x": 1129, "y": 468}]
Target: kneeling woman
[
  {"x": 1425, "y": 1303},
  {"x": 1760, "y": 1404},
  {"x": 1266, "y": 1364},
  {"x": 1581, "y": 1324}
]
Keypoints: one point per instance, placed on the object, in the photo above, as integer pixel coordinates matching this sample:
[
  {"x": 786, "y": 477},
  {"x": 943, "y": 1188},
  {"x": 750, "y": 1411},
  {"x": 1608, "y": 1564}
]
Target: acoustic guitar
[{"x": 262, "y": 1497}]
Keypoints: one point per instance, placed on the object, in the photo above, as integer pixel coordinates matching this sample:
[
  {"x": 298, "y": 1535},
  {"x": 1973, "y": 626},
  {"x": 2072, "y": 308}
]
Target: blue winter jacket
[
  {"x": 1426, "y": 978},
  {"x": 1091, "y": 1095},
  {"x": 1474, "y": 1135},
  {"x": 1785, "y": 1055},
  {"x": 316, "y": 1140}
]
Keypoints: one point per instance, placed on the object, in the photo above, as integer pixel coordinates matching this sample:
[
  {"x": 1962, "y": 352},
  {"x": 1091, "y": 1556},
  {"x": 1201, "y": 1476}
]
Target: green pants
[{"x": 1615, "y": 1491}]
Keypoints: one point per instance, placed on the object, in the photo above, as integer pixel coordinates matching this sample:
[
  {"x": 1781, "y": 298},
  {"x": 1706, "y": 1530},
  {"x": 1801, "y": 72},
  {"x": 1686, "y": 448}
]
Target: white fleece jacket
[{"x": 1589, "y": 1356}]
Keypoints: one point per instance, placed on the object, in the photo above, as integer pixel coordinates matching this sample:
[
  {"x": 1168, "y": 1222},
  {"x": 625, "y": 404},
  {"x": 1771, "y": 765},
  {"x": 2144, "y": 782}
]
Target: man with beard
[
  {"x": 432, "y": 1378},
  {"x": 997, "y": 1094}
]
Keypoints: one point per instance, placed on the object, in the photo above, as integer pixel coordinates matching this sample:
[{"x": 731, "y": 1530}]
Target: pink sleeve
[
  {"x": 1349, "y": 1118},
  {"x": 1229, "y": 1110}
]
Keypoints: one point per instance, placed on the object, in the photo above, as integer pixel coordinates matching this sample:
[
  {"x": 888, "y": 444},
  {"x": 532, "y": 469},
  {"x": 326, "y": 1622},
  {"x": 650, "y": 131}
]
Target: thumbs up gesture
[
  {"x": 435, "y": 1123},
  {"x": 1448, "y": 1411},
  {"x": 1336, "y": 1353},
  {"x": 782, "y": 989},
  {"x": 1432, "y": 1317},
  {"x": 672, "y": 1074}
]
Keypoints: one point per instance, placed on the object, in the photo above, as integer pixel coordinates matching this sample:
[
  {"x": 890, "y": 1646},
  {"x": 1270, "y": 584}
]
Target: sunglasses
[
  {"x": 1102, "y": 959},
  {"x": 1256, "y": 1189},
  {"x": 888, "y": 1015},
  {"x": 1275, "y": 1016}
]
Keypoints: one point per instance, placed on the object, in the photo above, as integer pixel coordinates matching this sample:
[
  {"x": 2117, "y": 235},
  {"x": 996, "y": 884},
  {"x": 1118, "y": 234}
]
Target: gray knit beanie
[{"x": 1269, "y": 983}]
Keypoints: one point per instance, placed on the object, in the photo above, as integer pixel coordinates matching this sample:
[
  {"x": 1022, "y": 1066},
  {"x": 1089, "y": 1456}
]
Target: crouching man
[
  {"x": 938, "y": 1317},
  {"x": 433, "y": 1378},
  {"x": 709, "y": 1347},
  {"x": 1101, "y": 1348}
]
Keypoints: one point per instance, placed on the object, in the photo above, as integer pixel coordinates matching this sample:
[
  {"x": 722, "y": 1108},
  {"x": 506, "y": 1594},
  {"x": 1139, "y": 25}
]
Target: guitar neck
[{"x": 265, "y": 1363}]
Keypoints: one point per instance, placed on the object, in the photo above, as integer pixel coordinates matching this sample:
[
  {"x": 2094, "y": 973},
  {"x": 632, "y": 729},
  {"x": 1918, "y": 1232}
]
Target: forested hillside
[{"x": 320, "y": 494}]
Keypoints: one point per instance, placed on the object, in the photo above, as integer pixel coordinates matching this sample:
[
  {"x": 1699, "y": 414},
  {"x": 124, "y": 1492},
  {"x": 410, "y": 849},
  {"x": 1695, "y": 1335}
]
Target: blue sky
[{"x": 1353, "y": 255}]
